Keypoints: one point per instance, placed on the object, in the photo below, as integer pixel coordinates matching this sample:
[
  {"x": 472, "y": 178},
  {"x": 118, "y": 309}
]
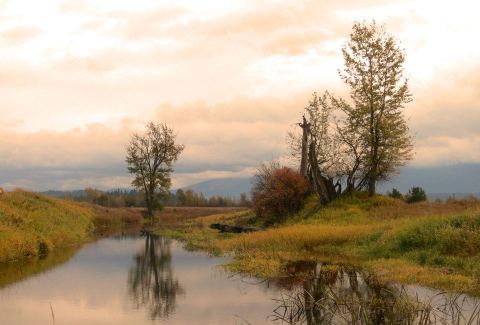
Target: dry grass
[
  {"x": 175, "y": 216},
  {"x": 108, "y": 220},
  {"x": 432, "y": 243},
  {"x": 195, "y": 227},
  {"x": 298, "y": 237},
  {"x": 402, "y": 271},
  {"x": 32, "y": 224}
]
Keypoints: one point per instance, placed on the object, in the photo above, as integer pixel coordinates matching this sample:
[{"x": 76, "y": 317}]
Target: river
[{"x": 154, "y": 280}]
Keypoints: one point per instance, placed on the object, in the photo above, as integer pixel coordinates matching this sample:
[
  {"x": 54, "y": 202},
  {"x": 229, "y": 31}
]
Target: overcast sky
[{"x": 78, "y": 77}]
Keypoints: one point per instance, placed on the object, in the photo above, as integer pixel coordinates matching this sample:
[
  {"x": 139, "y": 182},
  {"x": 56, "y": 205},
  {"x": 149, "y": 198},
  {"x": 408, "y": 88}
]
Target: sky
[{"x": 78, "y": 77}]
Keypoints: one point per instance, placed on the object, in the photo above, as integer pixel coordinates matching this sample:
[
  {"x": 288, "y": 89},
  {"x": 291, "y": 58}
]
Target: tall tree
[
  {"x": 374, "y": 73},
  {"x": 150, "y": 158}
]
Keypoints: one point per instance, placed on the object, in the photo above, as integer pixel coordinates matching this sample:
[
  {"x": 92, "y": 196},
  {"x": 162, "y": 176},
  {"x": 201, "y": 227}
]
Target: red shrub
[{"x": 277, "y": 192}]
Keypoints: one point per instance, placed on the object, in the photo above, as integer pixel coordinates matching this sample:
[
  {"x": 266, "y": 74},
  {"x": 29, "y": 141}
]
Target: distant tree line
[
  {"x": 113, "y": 199},
  {"x": 181, "y": 198},
  {"x": 191, "y": 198}
]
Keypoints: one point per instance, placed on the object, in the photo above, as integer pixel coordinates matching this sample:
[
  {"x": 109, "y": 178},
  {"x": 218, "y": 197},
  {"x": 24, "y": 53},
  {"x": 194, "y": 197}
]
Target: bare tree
[
  {"x": 328, "y": 149},
  {"x": 150, "y": 158}
]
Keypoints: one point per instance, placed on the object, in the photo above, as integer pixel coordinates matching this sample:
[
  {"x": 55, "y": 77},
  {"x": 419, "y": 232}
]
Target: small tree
[
  {"x": 416, "y": 194},
  {"x": 181, "y": 198},
  {"x": 244, "y": 201},
  {"x": 150, "y": 158},
  {"x": 396, "y": 194},
  {"x": 277, "y": 192}
]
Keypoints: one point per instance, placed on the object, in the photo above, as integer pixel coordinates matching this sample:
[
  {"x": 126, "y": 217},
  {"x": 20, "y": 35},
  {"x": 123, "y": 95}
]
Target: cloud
[
  {"x": 18, "y": 35},
  {"x": 76, "y": 77},
  {"x": 94, "y": 146},
  {"x": 224, "y": 140},
  {"x": 445, "y": 116}
]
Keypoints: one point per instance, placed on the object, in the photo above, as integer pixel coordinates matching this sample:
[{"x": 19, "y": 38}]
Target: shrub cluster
[
  {"x": 278, "y": 192},
  {"x": 415, "y": 194}
]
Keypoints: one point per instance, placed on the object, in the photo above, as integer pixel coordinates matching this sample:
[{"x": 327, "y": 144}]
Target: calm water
[{"x": 148, "y": 280}]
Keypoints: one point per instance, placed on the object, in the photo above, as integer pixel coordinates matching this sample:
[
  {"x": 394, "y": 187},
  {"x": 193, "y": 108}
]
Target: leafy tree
[
  {"x": 244, "y": 201},
  {"x": 150, "y": 158},
  {"x": 350, "y": 146},
  {"x": 181, "y": 198},
  {"x": 379, "y": 91},
  {"x": 416, "y": 194},
  {"x": 190, "y": 198}
]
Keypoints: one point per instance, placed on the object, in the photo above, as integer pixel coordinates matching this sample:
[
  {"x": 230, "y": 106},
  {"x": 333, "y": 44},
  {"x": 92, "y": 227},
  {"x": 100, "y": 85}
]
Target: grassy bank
[
  {"x": 33, "y": 224},
  {"x": 436, "y": 244}
]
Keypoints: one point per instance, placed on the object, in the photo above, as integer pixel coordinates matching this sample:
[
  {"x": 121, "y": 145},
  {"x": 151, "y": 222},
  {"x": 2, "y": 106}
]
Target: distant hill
[
  {"x": 444, "y": 196},
  {"x": 439, "y": 182},
  {"x": 230, "y": 187},
  {"x": 63, "y": 194},
  {"x": 227, "y": 187}
]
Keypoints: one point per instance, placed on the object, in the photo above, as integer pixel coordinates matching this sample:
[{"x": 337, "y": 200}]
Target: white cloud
[{"x": 233, "y": 76}]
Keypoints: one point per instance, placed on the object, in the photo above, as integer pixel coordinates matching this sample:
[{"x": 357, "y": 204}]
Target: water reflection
[
  {"x": 346, "y": 295},
  {"x": 151, "y": 281},
  {"x": 97, "y": 285},
  {"x": 17, "y": 271}
]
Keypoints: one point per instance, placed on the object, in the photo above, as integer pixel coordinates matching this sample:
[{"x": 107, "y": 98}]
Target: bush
[
  {"x": 416, "y": 194},
  {"x": 395, "y": 194},
  {"x": 277, "y": 192}
]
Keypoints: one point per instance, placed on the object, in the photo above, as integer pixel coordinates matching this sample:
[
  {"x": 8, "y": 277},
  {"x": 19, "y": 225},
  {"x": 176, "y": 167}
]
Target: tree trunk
[
  {"x": 373, "y": 174},
  {"x": 323, "y": 186},
  {"x": 149, "y": 203},
  {"x": 304, "y": 159},
  {"x": 372, "y": 180}
]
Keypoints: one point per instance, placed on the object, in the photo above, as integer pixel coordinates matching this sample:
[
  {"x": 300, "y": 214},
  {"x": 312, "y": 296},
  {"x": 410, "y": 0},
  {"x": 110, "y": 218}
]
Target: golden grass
[
  {"x": 32, "y": 224},
  {"x": 436, "y": 244},
  {"x": 406, "y": 272},
  {"x": 301, "y": 237}
]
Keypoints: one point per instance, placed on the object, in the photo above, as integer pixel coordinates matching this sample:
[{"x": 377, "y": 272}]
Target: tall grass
[
  {"x": 33, "y": 225},
  {"x": 433, "y": 243}
]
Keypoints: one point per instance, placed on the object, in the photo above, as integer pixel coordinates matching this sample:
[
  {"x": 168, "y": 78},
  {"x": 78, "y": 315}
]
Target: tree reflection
[
  {"x": 345, "y": 295},
  {"x": 151, "y": 281}
]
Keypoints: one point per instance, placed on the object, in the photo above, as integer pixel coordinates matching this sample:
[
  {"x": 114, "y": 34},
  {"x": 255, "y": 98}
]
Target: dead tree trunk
[
  {"x": 304, "y": 159},
  {"x": 321, "y": 184}
]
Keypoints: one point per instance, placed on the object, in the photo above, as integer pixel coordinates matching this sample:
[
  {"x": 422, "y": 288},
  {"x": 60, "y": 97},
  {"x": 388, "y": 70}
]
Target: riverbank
[
  {"x": 32, "y": 225},
  {"x": 435, "y": 244}
]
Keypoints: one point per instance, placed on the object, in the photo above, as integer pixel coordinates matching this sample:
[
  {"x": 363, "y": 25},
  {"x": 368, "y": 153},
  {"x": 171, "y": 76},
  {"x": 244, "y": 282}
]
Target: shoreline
[{"x": 390, "y": 247}]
